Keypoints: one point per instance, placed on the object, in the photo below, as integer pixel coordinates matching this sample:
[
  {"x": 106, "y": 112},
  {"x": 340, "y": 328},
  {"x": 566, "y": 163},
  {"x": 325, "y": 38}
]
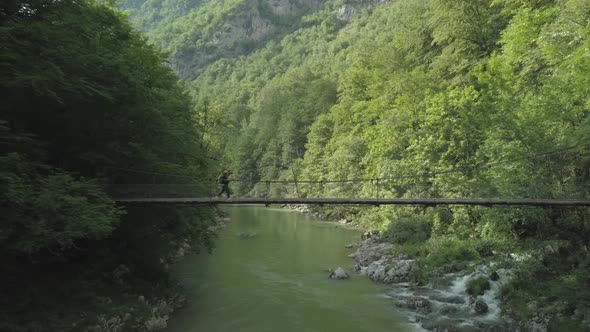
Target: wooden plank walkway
[{"x": 360, "y": 201}]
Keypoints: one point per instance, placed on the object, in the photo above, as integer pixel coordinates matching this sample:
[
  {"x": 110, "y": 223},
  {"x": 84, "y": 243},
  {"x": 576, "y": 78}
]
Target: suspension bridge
[
  {"x": 185, "y": 193},
  {"x": 357, "y": 201}
]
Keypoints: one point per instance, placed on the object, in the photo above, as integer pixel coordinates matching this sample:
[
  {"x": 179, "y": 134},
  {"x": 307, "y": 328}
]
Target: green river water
[{"x": 268, "y": 272}]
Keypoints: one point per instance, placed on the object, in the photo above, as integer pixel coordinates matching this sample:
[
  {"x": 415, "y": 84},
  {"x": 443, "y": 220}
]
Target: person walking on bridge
[{"x": 223, "y": 180}]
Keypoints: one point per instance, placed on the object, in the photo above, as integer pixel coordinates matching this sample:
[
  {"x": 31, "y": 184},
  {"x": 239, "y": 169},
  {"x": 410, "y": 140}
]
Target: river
[{"x": 268, "y": 272}]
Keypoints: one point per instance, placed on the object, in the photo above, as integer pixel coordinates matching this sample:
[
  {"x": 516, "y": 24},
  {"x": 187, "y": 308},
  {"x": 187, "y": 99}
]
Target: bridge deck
[{"x": 359, "y": 201}]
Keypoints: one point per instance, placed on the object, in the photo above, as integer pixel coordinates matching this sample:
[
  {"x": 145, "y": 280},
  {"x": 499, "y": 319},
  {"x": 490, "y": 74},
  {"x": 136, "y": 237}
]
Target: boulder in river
[
  {"x": 480, "y": 306},
  {"x": 420, "y": 304},
  {"x": 494, "y": 276},
  {"x": 339, "y": 273}
]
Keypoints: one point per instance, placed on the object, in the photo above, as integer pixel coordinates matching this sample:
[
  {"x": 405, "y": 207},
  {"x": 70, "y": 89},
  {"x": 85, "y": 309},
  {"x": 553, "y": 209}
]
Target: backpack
[{"x": 220, "y": 179}]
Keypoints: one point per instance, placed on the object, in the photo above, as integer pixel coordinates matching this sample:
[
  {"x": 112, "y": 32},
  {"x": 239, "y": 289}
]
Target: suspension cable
[{"x": 195, "y": 180}]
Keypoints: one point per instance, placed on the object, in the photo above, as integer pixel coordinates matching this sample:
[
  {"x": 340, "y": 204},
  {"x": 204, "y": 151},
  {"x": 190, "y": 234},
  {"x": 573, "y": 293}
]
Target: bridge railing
[{"x": 361, "y": 201}]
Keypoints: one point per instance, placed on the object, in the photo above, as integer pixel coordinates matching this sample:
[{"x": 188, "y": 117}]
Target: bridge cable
[{"x": 324, "y": 181}]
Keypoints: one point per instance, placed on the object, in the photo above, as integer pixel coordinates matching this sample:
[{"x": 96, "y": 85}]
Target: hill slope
[{"x": 197, "y": 33}]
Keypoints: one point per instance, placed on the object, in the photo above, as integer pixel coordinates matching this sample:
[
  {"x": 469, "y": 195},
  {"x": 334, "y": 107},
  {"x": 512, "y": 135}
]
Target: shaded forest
[{"x": 83, "y": 97}]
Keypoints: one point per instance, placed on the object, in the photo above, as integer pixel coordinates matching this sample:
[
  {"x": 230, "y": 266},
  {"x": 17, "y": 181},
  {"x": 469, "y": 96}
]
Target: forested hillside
[
  {"x": 86, "y": 103},
  {"x": 197, "y": 33},
  {"x": 420, "y": 98}
]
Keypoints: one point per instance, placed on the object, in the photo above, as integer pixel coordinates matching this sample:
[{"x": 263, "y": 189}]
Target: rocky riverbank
[
  {"x": 143, "y": 316},
  {"x": 445, "y": 307},
  {"x": 304, "y": 209},
  {"x": 450, "y": 305},
  {"x": 149, "y": 315}
]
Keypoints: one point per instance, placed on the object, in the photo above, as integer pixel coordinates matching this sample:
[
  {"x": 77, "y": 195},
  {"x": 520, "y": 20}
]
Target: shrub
[
  {"x": 477, "y": 286},
  {"x": 414, "y": 250},
  {"x": 409, "y": 229},
  {"x": 448, "y": 250}
]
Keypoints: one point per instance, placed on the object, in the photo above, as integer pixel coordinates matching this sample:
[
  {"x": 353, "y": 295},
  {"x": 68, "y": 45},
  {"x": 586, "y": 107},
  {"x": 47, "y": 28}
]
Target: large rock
[
  {"x": 420, "y": 304},
  {"x": 368, "y": 251},
  {"x": 358, "y": 268},
  {"x": 375, "y": 260},
  {"x": 156, "y": 323},
  {"x": 376, "y": 272},
  {"x": 400, "y": 271},
  {"x": 480, "y": 306},
  {"x": 539, "y": 323},
  {"x": 494, "y": 276},
  {"x": 339, "y": 273}
]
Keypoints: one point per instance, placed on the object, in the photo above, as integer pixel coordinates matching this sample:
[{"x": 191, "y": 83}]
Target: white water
[{"x": 453, "y": 299}]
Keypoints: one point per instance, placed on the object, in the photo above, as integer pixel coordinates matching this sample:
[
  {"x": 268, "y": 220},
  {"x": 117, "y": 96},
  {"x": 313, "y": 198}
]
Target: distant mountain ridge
[{"x": 197, "y": 33}]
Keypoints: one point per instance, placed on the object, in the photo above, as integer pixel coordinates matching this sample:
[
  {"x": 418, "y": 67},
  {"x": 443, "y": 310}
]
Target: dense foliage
[
  {"x": 85, "y": 103},
  {"x": 428, "y": 98}
]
